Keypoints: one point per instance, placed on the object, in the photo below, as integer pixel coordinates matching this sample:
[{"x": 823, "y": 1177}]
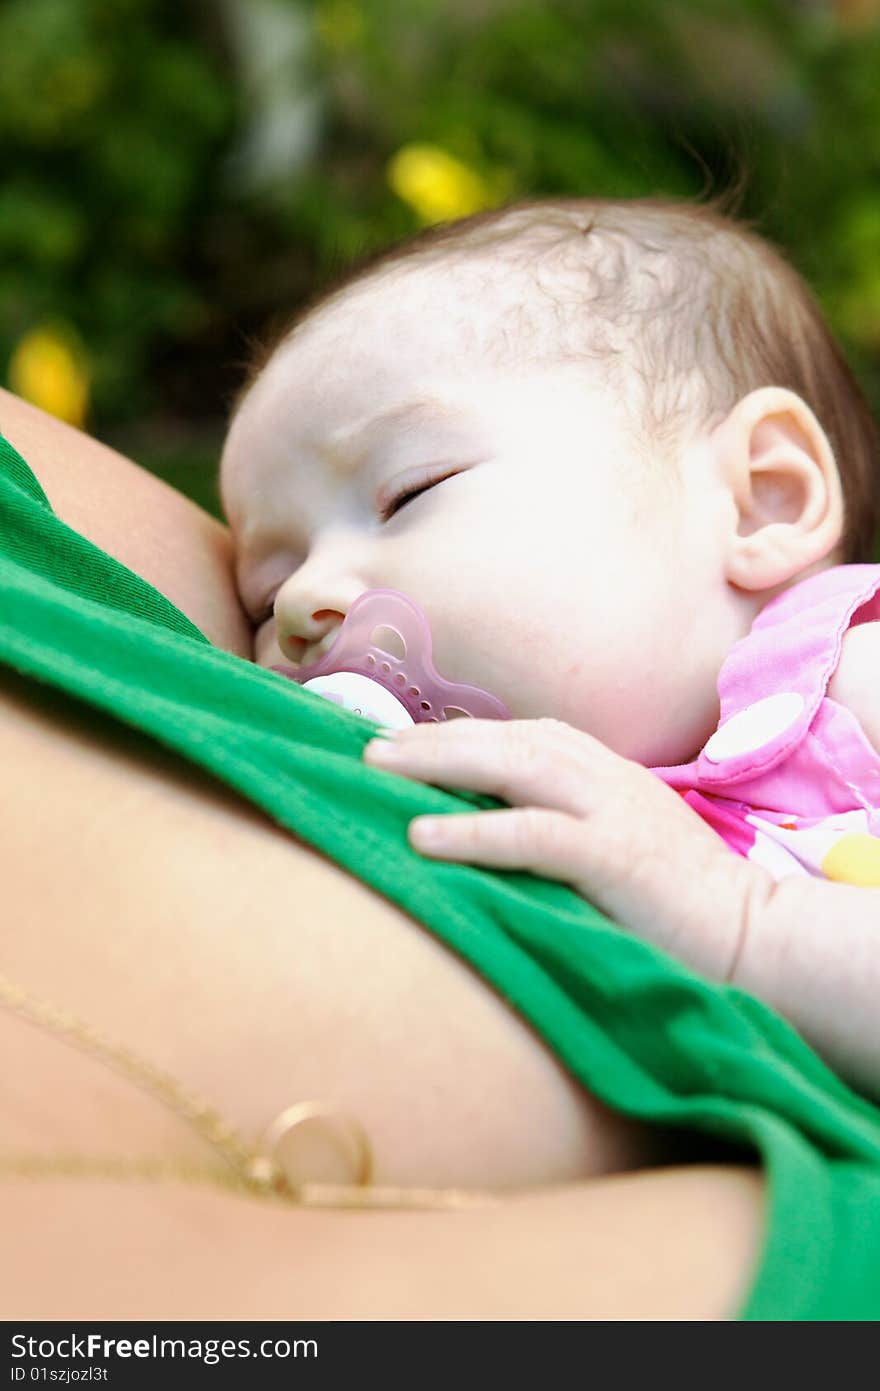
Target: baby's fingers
[
  {"x": 527, "y": 838},
  {"x": 537, "y": 763}
]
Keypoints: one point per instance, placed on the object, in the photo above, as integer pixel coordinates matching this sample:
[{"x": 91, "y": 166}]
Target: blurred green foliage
[{"x": 178, "y": 175}]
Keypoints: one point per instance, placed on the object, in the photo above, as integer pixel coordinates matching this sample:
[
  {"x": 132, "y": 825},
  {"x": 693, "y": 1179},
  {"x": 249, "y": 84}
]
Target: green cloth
[{"x": 638, "y": 1029}]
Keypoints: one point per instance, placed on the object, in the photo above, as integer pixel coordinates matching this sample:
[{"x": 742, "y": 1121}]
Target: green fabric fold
[{"x": 638, "y": 1029}]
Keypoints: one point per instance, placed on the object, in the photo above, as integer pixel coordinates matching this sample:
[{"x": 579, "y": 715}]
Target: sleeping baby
[{"x": 613, "y": 453}]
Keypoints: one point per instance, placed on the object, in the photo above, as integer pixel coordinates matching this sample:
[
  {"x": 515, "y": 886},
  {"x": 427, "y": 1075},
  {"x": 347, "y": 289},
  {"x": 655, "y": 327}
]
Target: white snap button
[{"x": 756, "y": 726}]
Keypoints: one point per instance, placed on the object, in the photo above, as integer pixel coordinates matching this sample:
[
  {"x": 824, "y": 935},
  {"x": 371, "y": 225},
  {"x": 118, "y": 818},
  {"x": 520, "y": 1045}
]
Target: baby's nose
[{"x": 307, "y": 640}]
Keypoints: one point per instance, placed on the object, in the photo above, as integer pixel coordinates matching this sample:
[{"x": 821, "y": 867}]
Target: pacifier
[{"x": 359, "y": 673}]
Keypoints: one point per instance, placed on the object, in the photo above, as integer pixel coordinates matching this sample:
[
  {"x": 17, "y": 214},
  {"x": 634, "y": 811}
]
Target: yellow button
[{"x": 854, "y": 859}]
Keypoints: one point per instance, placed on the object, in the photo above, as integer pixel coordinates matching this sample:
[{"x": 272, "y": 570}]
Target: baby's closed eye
[{"x": 399, "y": 500}]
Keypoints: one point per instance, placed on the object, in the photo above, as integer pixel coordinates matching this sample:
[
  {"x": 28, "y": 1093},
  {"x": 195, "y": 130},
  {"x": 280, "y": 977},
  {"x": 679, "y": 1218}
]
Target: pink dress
[{"x": 789, "y": 779}]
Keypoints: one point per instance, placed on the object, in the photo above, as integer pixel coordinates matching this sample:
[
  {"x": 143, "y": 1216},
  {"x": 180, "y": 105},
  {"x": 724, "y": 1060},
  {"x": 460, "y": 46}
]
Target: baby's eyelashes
[{"x": 399, "y": 500}]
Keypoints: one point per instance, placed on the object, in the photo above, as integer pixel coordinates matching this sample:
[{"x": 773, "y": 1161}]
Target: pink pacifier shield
[{"x": 411, "y": 679}]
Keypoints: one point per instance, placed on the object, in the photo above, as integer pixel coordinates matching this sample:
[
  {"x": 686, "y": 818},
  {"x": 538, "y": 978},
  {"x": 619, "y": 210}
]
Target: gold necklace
[{"x": 250, "y": 1167}]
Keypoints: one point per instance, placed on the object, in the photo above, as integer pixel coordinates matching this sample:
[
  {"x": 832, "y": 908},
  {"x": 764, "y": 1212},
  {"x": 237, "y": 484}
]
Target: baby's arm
[{"x": 813, "y": 954}]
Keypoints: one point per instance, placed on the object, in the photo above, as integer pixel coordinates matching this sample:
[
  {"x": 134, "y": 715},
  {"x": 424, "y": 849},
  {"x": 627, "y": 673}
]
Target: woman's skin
[
  {"x": 136, "y": 914},
  {"x": 670, "y": 1244}
]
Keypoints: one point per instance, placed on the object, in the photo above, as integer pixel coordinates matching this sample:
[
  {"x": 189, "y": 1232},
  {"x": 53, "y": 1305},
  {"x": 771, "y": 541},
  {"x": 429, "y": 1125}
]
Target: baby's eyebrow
[{"x": 405, "y": 413}]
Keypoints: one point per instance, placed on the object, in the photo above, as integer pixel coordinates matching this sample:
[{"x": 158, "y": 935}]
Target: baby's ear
[{"x": 779, "y": 467}]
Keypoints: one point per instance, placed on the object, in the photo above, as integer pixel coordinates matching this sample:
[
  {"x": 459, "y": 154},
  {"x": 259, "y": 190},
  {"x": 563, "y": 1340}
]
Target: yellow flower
[
  {"x": 48, "y": 368},
  {"x": 439, "y": 187}
]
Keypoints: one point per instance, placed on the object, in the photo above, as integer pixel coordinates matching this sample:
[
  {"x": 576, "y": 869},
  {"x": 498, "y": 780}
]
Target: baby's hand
[{"x": 582, "y": 814}]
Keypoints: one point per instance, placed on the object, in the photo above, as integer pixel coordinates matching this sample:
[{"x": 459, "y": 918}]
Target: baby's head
[{"x": 606, "y": 418}]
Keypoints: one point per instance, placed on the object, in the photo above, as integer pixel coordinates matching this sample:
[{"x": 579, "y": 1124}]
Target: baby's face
[{"x": 553, "y": 573}]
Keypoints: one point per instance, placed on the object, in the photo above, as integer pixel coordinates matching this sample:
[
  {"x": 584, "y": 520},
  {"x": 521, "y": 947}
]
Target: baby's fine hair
[{"x": 684, "y": 309}]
